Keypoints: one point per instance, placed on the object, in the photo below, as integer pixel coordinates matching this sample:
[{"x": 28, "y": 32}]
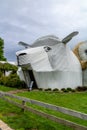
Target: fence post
[{"x": 23, "y": 104}]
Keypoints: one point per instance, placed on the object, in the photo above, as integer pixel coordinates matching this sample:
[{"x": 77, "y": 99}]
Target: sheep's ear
[
  {"x": 24, "y": 44},
  {"x": 69, "y": 37}
]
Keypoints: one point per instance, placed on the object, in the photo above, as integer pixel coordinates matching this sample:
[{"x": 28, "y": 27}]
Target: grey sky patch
[{"x": 27, "y": 20}]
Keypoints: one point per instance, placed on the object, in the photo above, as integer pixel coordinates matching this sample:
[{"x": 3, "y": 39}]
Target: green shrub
[
  {"x": 64, "y": 90},
  {"x": 78, "y": 88},
  {"x": 1, "y": 73},
  {"x": 73, "y": 90},
  {"x": 48, "y": 89},
  {"x": 69, "y": 89},
  {"x": 81, "y": 88},
  {"x": 84, "y": 88},
  {"x": 55, "y": 89},
  {"x": 40, "y": 89},
  {"x": 13, "y": 81},
  {"x": 3, "y": 80}
]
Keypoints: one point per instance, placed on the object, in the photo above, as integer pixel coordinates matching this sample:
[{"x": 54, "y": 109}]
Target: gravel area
[{"x": 4, "y": 126}]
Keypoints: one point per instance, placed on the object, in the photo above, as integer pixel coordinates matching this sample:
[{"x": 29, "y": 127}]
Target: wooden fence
[{"x": 5, "y": 96}]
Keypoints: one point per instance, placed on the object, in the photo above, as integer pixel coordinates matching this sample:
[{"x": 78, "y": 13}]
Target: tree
[
  {"x": 7, "y": 67},
  {"x": 2, "y": 58}
]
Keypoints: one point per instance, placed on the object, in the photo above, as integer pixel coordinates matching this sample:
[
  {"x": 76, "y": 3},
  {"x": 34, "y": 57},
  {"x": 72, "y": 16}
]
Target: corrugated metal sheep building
[{"x": 49, "y": 63}]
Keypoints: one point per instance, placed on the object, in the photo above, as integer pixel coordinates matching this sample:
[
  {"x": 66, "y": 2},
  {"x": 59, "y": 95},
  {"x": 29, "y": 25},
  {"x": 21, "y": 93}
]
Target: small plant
[
  {"x": 64, "y": 90},
  {"x": 55, "y": 89},
  {"x": 73, "y": 90},
  {"x": 40, "y": 89},
  {"x": 69, "y": 89},
  {"x": 48, "y": 89},
  {"x": 81, "y": 88},
  {"x": 84, "y": 88}
]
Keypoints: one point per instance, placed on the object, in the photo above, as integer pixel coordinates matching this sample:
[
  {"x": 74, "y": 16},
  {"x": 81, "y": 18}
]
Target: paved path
[
  {"x": 4, "y": 126},
  {"x": 18, "y": 91}
]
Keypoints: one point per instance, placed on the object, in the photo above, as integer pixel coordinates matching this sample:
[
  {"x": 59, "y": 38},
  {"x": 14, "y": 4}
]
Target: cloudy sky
[{"x": 27, "y": 20}]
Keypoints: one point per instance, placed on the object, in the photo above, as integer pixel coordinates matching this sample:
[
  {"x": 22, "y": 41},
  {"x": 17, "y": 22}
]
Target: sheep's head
[{"x": 52, "y": 52}]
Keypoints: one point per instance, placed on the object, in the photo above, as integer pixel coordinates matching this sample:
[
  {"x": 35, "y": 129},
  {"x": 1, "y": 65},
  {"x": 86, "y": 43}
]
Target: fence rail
[{"x": 5, "y": 95}]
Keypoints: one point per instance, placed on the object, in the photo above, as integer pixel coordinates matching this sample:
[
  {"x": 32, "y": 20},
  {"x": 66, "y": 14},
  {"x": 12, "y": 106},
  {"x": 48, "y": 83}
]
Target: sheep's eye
[
  {"x": 86, "y": 52},
  {"x": 47, "y": 48}
]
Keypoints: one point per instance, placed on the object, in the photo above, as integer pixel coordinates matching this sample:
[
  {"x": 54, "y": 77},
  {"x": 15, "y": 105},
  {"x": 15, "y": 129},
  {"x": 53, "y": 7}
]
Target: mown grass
[
  {"x": 18, "y": 120},
  {"x": 6, "y": 89},
  {"x": 29, "y": 121},
  {"x": 75, "y": 101}
]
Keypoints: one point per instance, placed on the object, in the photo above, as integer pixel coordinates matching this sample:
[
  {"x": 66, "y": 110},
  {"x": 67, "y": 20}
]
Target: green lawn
[
  {"x": 18, "y": 120},
  {"x": 28, "y": 121},
  {"x": 75, "y": 101},
  {"x": 6, "y": 89}
]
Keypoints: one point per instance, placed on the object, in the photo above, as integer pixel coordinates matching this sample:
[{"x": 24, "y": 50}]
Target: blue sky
[{"x": 27, "y": 20}]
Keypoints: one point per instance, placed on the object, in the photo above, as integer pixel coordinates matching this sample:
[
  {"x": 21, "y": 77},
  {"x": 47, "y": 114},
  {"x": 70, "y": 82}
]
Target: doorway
[{"x": 32, "y": 79}]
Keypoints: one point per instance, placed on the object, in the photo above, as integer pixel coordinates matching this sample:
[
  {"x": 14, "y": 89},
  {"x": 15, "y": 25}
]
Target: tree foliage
[
  {"x": 2, "y": 58},
  {"x": 7, "y": 67},
  {"x": 11, "y": 80}
]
